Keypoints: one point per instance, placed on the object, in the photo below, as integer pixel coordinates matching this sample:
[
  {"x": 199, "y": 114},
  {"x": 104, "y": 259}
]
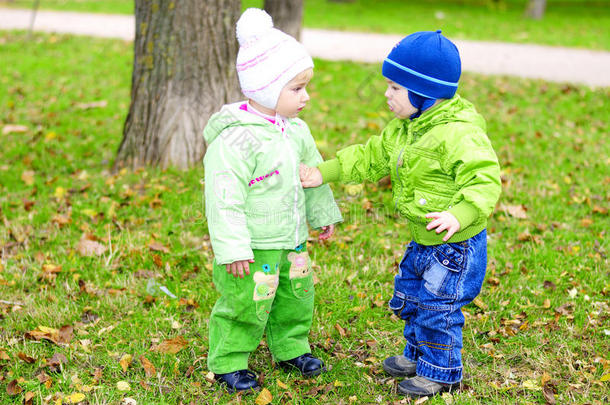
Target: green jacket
[
  {"x": 253, "y": 194},
  {"x": 440, "y": 161}
]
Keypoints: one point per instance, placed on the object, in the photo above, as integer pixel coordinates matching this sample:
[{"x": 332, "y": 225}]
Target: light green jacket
[
  {"x": 440, "y": 161},
  {"x": 253, "y": 194}
]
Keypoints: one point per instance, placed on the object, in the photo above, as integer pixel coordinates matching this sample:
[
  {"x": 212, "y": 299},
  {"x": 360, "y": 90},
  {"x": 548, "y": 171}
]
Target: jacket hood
[{"x": 230, "y": 115}]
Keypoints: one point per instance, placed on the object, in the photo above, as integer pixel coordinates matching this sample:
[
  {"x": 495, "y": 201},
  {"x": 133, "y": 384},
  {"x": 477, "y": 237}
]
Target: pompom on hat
[
  {"x": 427, "y": 64},
  {"x": 267, "y": 59}
]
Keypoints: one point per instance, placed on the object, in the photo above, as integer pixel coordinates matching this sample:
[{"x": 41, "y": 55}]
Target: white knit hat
[{"x": 267, "y": 58}]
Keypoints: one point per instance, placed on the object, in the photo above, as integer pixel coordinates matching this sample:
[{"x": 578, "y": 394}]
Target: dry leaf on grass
[
  {"x": 264, "y": 397},
  {"x": 87, "y": 247},
  {"x": 125, "y": 361},
  {"x": 171, "y": 346},
  {"x": 149, "y": 368},
  {"x": 13, "y": 388}
]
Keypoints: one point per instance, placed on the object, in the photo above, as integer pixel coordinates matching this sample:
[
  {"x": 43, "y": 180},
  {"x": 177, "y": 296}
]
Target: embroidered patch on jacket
[{"x": 261, "y": 178}]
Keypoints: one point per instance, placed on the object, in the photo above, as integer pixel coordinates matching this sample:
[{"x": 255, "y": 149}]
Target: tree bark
[
  {"x": 535, "y": 9},
  {"x": 287, "y": 15},
  {"x": 183, "y": 71}
]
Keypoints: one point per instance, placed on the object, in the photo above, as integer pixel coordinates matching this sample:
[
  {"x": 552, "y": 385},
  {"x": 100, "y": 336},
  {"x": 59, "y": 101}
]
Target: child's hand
[
  {"x": 310, "y": 176},
  {"x": 327, "y": 232},
  {"x": 443, "y": 221},
  {"x": 239, "y": 267}
]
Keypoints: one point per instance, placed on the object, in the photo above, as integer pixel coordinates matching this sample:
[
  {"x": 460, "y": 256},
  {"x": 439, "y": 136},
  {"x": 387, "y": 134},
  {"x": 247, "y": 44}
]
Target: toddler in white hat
[{"x": 257, "y": 210}]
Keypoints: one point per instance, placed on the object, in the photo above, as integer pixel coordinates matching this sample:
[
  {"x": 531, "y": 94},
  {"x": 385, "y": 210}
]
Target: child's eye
[
  {"x": 297, "y": 88},
  {"x": 395, "y": 88}
]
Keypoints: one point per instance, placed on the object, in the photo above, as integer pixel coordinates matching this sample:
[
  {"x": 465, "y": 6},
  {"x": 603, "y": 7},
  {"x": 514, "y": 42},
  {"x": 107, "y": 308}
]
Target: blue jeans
[{"x": 431, "y": 287}]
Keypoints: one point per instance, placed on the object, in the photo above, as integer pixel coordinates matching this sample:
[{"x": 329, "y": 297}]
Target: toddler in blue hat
[{"x": 446, "y": 181}]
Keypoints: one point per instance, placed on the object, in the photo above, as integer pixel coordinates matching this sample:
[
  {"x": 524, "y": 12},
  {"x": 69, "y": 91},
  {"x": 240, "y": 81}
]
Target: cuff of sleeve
[
  {"x": 331, "y": 170},
  {"x": 465, "y": 212}
]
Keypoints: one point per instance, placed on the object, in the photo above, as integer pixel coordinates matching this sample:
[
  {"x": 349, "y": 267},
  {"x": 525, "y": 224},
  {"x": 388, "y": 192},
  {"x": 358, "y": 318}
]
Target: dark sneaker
[
  {"x": 308, "y": 365},
  {"x": 399, "y": 366},
  {"x": 241, "y": 380},
  {"x": 422, "y": 387}
]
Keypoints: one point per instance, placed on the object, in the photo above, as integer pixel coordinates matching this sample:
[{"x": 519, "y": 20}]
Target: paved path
[{"x": 555, "y": 64}]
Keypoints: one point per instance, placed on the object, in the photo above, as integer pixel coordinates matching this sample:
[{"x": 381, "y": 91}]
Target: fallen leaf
[
  {"x": 605, "y": 377},
  {"x": 149, "y": 368},
  {"x": 479, "y": 303},
  {"x": 516, "y": 211},
  {"x": 341, "y": 331},
  {"x": 13, "y": 388},
  {"x": 171, "y": 346},
  {"x": 531, "y": 385},
  {"x": 420, "y": 401},
  {"x": 28, "y": 177},
  {"x": 92, "y": 104},
  {"x": 27, "y": 400},
  {"x": 125, "y": 361},
  {"x": 89, "y": 248},
  {"x": 128, "y": 401},
  {"x": 75, "y": 398},
  {"x": 264, "y": 397},
  {"x": 281, "y": 385},
  {"x": 10, "y": 129},
  {"x": 123, "y": 386},
  {"x": 4, "y": 355},
  {"x": 26, "y": 358},
  {"x": 55, "y": 362},
  {"x": 158, "y": 247}
]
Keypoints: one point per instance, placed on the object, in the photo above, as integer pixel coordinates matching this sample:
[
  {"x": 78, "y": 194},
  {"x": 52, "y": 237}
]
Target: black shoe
[
  {"x": 241, "y": 380},
  {"x": 399, "y": 366},
  {"x": 422, "y": 387},
  {"x": 308, "y": 365}
]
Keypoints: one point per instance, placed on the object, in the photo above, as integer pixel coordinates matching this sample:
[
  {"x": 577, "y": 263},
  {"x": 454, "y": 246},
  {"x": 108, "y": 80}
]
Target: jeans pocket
[
  {"x": 442, "y": 276},
  {"x": 397, "y": 303}
]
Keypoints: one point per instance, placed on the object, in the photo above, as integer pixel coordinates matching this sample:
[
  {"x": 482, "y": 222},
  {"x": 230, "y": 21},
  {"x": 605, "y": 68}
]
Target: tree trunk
[
  {"x": 183, "y": 71},
  {"x": 287, "y": 15},
  {"x": 535, "y": 9}
]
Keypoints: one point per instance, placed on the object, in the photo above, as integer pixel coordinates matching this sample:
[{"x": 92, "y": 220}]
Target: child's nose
[
  {"x": 305, "y": 96},
  {"x": 387, "y": 93}
]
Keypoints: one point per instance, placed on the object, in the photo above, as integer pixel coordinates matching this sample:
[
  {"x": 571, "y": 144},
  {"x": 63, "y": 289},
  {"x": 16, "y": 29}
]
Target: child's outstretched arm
[{"x": 355, "y": 163}]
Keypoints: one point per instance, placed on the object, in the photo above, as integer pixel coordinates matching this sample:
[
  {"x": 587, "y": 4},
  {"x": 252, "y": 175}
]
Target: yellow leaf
[
  {"x": 125, "y": 361},
  {"x": 354, "y": 189},
  {"x": 60, "y": 192},
  {"x": 123, "y": 386},
  {"x": 479, "y": 303},
  {"x": 338, "y": 383},
  {"x": 46, "y": 329},
  {"x": 281, "y": 385},
  {"x": 264, "y": 397},
  {"x": 28, "y": 177},
  {"x": 89, "y": 212},
  {"x": 50, "y": 136},
  {"x": 75, "y": 398},
  {"x": 531, "y": 385},
  {"x": 605, "y": 378},
  {"x": 171, "y": 346}
]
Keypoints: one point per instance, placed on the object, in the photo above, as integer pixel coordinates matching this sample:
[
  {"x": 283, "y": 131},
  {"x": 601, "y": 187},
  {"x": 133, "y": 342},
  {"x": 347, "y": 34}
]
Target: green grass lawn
[
  {"x": 539, "y": 328},
  {"x": 574, "y": 23}
]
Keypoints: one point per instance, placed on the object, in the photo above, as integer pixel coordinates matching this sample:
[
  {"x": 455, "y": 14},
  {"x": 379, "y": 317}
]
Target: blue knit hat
[{"x": 427, "y": 64}]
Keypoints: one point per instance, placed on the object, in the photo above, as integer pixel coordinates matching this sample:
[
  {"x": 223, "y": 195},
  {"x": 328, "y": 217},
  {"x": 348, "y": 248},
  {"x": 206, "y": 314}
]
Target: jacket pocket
[{"x": 427, "y": 201}]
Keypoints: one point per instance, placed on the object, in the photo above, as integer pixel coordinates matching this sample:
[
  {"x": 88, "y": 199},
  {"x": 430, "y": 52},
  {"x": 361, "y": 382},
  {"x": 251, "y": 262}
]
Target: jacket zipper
[
  {"x": 397, "y": 175},
  {"x": 296, "y": 188}
]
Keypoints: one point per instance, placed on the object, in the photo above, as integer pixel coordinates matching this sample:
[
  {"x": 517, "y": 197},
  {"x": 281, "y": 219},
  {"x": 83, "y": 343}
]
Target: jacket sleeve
[
  {"x": 357, "y": 163},
  {"x": 226, "y": 178},
  {"x": 320, "y": 206},
  {"x": 477, "y": 174}
]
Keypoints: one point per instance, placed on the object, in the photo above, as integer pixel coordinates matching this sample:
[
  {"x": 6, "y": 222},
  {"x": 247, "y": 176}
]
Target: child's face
[
  {"x": 398, "y": 100},
  {"x": 293, "y": 97}
]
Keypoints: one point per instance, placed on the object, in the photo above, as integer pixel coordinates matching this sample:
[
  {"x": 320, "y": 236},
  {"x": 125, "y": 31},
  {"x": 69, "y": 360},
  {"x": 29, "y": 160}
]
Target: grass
[
  {"x": 574, "y": 23},
  {"x": 540, "y": 326}
]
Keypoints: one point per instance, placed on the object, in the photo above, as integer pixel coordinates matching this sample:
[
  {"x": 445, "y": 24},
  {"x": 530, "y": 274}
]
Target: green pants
[{"x": 276, "y": 299}]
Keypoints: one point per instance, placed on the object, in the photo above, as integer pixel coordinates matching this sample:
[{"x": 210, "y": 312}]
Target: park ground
[{"x": 84, "y": 250}]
